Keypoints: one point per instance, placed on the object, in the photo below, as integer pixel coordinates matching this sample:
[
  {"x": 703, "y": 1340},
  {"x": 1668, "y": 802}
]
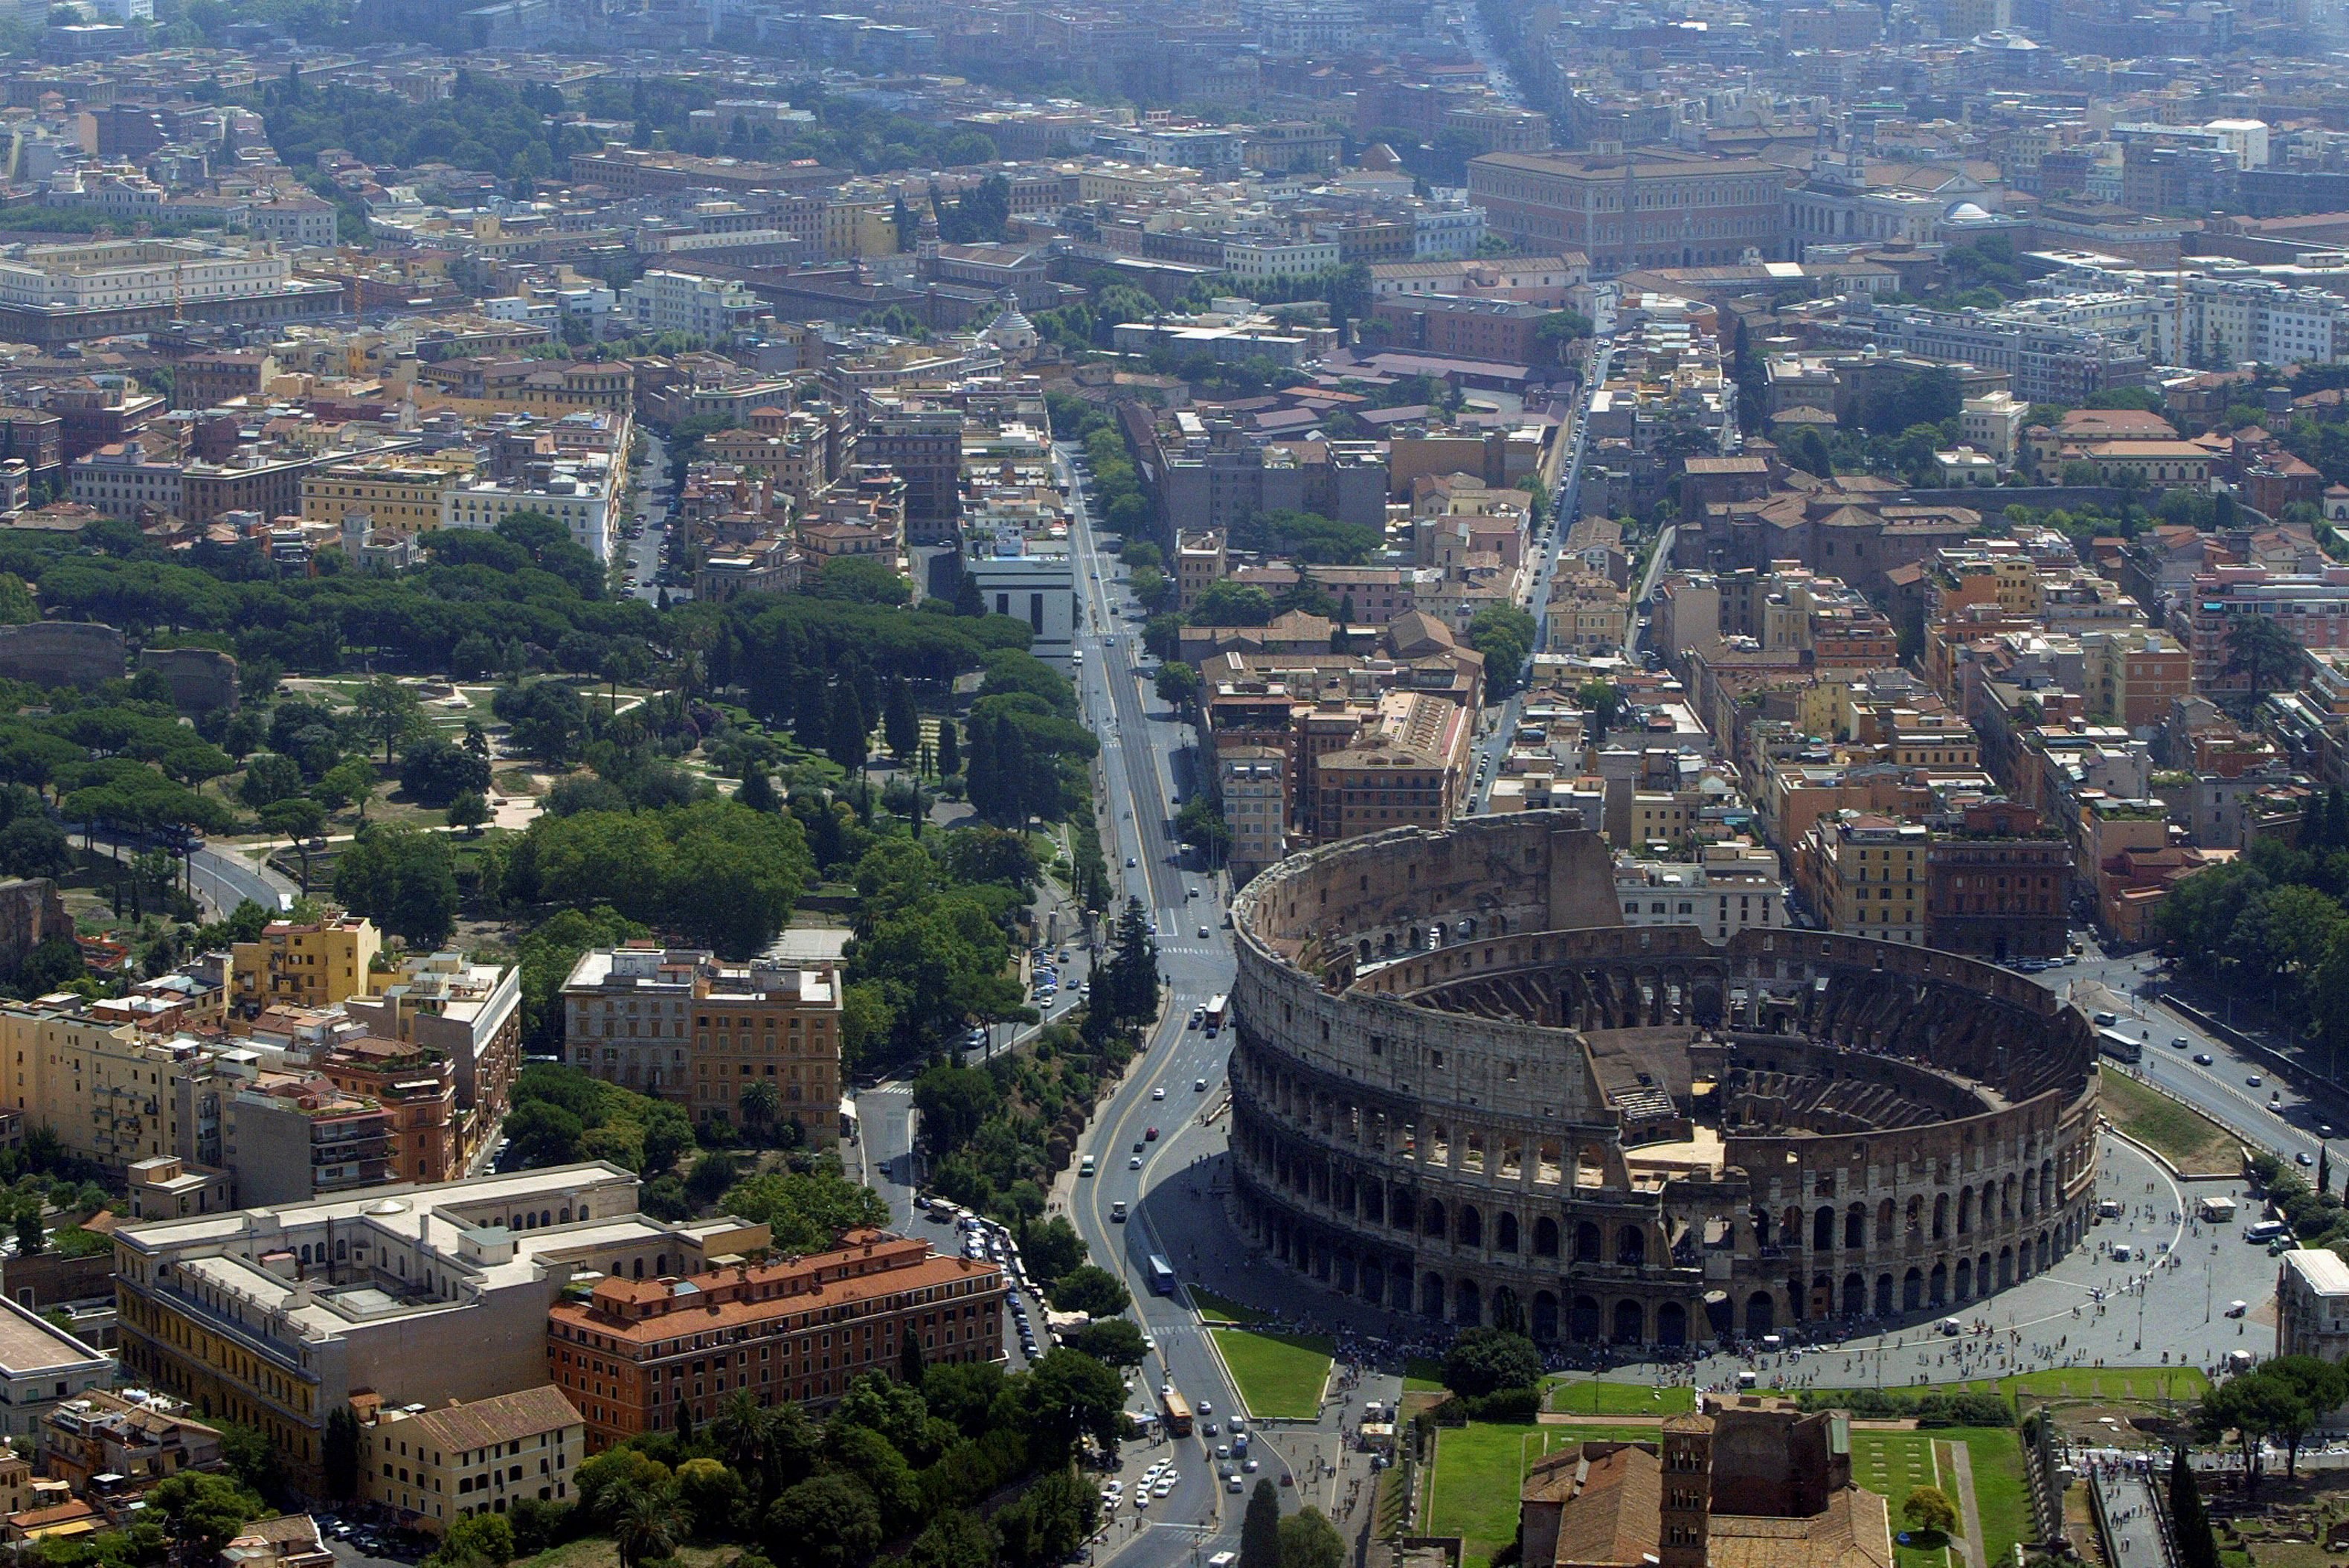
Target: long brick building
[{"x": 637, "y": 1351}]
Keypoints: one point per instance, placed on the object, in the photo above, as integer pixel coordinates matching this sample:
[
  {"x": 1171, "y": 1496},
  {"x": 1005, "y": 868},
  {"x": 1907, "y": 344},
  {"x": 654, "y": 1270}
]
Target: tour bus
[
  {"x": 2265, "y": 1231},
  {"x": 2119, "y": 1044},
  {"x": 1218, "y": 1008},
  {"x": 1162, "y": 1276}
]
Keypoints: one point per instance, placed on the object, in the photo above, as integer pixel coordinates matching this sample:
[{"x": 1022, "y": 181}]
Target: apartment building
[
  {"x": 925, "y": 447},
  {"x": 665, "y": 300},
  {"x": 416, "y": 1087},
  {"x": 2314, "y": 606},
  {"x": 134, "y": 1441},
  {"x": 471, "y": 1014},
  {"x": 430, "y": 1469},
  {"x": 579, "y": 492},
  {"x": 276, "y": 1317},
  {"x": 2045, "y": 361},
  {"x": 1992, "y": 424},
  {"x": 1731, "y": 888},
  {"x": 1199, "y": 560},
  {"x": 2135, "y": 674},
  {"x": 290, "y": 1136},
  {"x": 1253, "y": 781},
  {"x": 315, "y": 963},
  {"x": 1406, "y": 764},
  {"x": 638, "y": 1355},
  {"x": 41, "y": 1367},
  {"x": 402, "y": 499},
  {"x": 1999, "y": 884},
  {"x": 676, "y": 1023},
  {"x": 112, "y": 1095},
  {"x": 1867, "y": 875}
]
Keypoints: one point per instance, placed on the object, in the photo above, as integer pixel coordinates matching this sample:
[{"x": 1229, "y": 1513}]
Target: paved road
[
  {"x": 2125, "y": 1499},
  {"x": 644, "y": 552},
  {"x": 2223, "y": 1088},
  {"x": 1567, "y": 494},
  {"x": 1147, "y": 766},
  {"x": 221, "y": 879}
]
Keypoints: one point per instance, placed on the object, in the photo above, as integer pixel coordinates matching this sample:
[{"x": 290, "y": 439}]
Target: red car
[{"x": 1151, "y": 1136}]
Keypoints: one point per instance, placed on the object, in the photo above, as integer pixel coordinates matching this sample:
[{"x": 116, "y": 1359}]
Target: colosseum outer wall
[{"x": 1416, "y": 1121}]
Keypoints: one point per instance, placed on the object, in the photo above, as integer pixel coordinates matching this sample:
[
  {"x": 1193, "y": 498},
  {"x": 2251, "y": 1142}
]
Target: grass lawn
[
  {"x": 1421, "y": 1376},
  {"x": 1278, "y": 1374},
  {"x": 1892, "y": 1465},
  {"x": 1479, "y": 1470},
  {"x": 1213, "y": 1308},
  {"x": 1599, "y": 1396},
  {"x": 597, "y": 1552},
  {"x": 2188, "y": 1139},
  {"x": 2111, "y": 1385},
  {"x": 1999, "y": 1494}
]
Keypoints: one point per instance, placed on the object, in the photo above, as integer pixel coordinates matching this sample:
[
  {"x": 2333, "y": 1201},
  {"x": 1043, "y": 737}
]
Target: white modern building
[
  {"x": 1734, "y": 887},
  {"x": 1260, "y": 261},
  {"x": 664, "y": 301},
  {"x": 1032, "y": 579},
  {"x": 578, "y": 493},
  {"x": 1446, "y": 234}
]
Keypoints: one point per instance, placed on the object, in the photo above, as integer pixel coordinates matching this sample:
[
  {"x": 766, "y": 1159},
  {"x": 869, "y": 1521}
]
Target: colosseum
[{"x": 1463, "y": 1088}]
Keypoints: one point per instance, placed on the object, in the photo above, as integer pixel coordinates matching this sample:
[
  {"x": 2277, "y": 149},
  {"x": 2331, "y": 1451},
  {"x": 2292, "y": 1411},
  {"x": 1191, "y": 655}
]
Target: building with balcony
[{"x": 315, "y": 963}]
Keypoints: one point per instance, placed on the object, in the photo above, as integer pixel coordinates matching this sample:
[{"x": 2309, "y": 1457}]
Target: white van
[{"x": 1085, "y": 1168}]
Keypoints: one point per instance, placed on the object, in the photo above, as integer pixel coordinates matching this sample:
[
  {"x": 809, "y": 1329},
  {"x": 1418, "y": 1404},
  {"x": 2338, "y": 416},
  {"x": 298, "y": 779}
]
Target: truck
[
  {"x": 1218, "y": 1008},
  {"x": 1174, "y": 1411},
  {"x": 1162, "y": 1276}
]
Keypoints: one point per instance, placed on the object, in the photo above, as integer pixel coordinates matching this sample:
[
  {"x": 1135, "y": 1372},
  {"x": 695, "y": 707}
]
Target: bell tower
[{"x": 1688, "y": 1491}]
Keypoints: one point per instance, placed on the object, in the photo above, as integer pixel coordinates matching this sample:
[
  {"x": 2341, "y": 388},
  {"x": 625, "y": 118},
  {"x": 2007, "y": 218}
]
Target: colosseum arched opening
[{"x": 1462, "y": 1088}]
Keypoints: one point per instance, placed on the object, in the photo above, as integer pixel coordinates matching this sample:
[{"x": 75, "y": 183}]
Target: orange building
[
  {"x": 416, "y": 1086},
  {"x": 636, "y": 1352}
]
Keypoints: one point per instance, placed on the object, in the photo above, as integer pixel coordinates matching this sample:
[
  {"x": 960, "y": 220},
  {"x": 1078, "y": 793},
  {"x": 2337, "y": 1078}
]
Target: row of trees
[{"x": 2271, "y": 927}]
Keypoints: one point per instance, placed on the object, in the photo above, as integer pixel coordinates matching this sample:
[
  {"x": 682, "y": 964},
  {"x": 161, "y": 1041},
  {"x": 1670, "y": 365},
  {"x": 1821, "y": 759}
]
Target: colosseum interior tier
[{"x": 1463, "y": 1089}]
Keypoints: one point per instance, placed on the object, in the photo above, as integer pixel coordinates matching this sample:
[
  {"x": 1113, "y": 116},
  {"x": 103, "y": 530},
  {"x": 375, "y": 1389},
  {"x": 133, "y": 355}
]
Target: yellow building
[
  {"x": 1865, "y": 875},
  {"x": 431, "y": 1468},
  {"x": 310, "y": 966},
  {"x": 401, "y": 498},
  {"x": 110, "y": 1094},
  {"x": 859, "y": 228}
]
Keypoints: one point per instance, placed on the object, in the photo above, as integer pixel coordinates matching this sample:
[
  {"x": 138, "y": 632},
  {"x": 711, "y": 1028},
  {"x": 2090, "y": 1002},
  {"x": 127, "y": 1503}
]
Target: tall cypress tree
[
  {"x": 810, "y": 708},
  {"x": 2197, "y": 1548},
  {"x": 979, "y": 773},
  {"x": 950, "y": 749},
  {"x": 1260, "y": 1529},
  {"x": 901, "y": 725},
  {"x": 846, "y": 733}
]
